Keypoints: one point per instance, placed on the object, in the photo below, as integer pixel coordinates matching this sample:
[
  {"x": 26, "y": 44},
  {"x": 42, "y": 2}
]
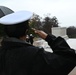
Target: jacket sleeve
[
  {"x": 60, "y": 62},
  {"x": 60, "y": 46}
]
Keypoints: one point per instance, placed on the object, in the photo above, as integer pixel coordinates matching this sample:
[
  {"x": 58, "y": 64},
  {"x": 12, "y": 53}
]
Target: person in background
[
  {"x": 17, "y": 57},
  {"x": 31, "y": 37}
]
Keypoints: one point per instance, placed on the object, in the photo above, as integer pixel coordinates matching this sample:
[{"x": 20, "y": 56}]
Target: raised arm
[{"x": 58, "y": 44}]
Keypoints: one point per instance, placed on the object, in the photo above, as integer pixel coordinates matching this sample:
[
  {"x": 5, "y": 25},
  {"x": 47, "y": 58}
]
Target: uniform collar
[{"x": 12, "y": 39}]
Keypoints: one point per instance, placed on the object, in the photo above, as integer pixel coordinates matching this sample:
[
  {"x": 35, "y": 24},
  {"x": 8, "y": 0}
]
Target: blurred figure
[{"x": 31, "y": 38}]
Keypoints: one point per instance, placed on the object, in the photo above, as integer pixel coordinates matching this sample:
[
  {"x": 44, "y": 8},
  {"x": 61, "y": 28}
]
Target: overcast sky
[{"x": 64, "y": 10}]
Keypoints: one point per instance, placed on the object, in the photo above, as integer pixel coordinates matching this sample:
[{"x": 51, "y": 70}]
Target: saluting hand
[{"x": 41, "y": 33}]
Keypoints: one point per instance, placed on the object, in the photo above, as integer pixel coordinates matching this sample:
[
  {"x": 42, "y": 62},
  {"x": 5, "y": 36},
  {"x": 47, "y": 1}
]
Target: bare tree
[{"x": 48, "y": 23}]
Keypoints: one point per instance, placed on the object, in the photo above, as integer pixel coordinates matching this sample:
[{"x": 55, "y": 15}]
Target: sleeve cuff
[{"x": 50, "y": 38}]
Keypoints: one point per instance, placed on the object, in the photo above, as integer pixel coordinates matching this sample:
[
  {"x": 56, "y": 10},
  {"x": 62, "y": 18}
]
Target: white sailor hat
[{"x": 16, "y": 17}]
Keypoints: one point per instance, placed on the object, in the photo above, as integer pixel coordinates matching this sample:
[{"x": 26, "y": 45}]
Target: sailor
[{"x": 17, "y": 57}]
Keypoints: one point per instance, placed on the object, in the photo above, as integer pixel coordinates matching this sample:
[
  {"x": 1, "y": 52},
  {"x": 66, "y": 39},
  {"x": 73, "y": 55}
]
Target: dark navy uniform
[{"x": 21, "y": 58}]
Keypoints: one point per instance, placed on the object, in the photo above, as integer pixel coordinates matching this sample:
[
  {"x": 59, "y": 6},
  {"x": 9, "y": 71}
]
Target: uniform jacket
[{"x": 20, "y": 58}]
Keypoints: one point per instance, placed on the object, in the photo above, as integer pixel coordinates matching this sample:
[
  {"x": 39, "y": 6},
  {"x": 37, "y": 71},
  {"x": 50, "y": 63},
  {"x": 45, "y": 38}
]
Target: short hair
[{"x": 16, "y": 30}]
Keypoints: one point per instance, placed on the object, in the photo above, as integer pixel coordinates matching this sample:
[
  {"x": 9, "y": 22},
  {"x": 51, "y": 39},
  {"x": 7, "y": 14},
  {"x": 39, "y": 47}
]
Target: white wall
[{"x": 59, "y": 31}]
